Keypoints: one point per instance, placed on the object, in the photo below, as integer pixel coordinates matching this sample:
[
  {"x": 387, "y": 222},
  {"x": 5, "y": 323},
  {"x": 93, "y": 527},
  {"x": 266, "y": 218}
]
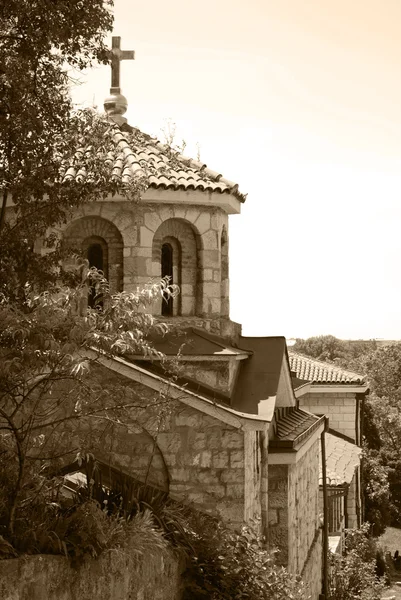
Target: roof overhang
[
  {"x": 236, "y": 419},
  {"x": 290, "y": 456},
  {"x": 319, "y": 388},
  {"x": 224, "y": 200},
  {"x": 302, "y": 389}
]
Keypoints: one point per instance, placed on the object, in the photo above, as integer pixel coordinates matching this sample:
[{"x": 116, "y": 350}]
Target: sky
[{"x": 299, "y": 102}]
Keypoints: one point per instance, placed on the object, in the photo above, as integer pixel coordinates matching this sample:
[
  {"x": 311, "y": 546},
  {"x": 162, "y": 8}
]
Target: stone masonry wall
[
  {"x": 353, "y": 503},
  {"x": 278, "y": 511},
  {"x": 340, "y": 407},
  {"x": 113, "y": 576},
  {"x": 198, "y": 458},
  {"x": 294, "y": 523},
  {"x": 201, "y": 226},
  {"x": 305, "y": 539}
]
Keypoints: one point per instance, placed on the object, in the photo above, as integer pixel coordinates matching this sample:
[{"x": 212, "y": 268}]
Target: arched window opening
[
  {"x": 96, "y": 253},
  {"x": 167, "y": 271},
  {"x": 95, "y": 256}
]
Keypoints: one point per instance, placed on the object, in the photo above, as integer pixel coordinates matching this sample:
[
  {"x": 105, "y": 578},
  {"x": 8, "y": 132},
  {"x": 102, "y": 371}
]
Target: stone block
[
  {"x": 210, "y": 259},
  {"x": 169, "y": 442},
  {"x": 220, "y": 459},
  {"x": 166, "y": 212},
  {"x": 216, "y": 220},
  {"x": 197, "y": 498},
  {"x": 210, "y": 240},
  {"x": 206, "y": 458},
  {"x": 234, "y": 490},
  {"x": 216, "y": 491},
  {"x": 202, "y": 223},
  {"x": 187, "y": 289},
  {"x": 205, "y": 476},
  {"x": 237, "y": 459},
  {"x": 189, "y": 419},
  {"x": 192, "y": 214},
  {"x": 180, "y": 474},
  {"x": 152, "y": 220},
  {"x": 199, "y": 442},
  {"x": 232, "y": 476},
  {"x": 232, "y": 440},
  {"x": 213, "y": 438},
  {"x": 126, "y": 252},
  {"x": 211, "y": 289},
  {"x": 146, "y": 237},
  {"x": 272, "y": 516},
  {"x": 208, "y": 275}
]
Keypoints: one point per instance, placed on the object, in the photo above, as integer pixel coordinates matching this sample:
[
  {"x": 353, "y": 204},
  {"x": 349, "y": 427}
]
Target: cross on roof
[{"x": 117, "y": 56}]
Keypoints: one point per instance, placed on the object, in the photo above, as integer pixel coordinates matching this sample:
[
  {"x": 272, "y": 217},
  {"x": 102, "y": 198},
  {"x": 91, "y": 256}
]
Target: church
[{"x": 236, "y": 442}]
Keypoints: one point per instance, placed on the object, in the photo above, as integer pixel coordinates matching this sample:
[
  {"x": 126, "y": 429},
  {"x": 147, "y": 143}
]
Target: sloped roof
[
  {"x": 191, "y": 341},
  {"x": 139, "y": 155},
  {"x": 259, "y": 375},
  {"x": 317, "y": 371},
  {"x": 293, "y": 423},
  {"x": 292, "y": 427},
  {"x": 342, "y": 458}
]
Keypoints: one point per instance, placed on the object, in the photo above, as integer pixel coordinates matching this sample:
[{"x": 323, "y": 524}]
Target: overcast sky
[{"x": 299, "y": 101}]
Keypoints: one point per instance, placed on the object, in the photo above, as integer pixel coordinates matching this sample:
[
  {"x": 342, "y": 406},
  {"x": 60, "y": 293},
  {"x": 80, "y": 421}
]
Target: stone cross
[{"x": 118, "y": 56}]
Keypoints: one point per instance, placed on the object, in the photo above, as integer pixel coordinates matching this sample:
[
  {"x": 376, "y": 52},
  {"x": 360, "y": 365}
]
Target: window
[
  {"x": 95, "y": 253},
  {"x": 167, "y": 271}
]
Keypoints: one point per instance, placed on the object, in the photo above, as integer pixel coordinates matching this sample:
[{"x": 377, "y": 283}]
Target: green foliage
[
  {"x": 229, "y": 565},
  {"x": 382, "y": 436},
  {"x": 328, "y": 348},
  {"x": 48, "y": 349},
  {"x": 354, "y": 574}
]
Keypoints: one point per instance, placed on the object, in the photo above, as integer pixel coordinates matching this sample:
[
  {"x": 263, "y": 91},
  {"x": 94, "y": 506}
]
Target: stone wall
[
  {"x": 202, "y": 268},
  {"x": 305, "y": 534},
  {"x": 197, "y": 458},
  {"x": 294, "y": 521},
  {"x": 113, "y": 576},
  {"x": 340, "y": 407}
]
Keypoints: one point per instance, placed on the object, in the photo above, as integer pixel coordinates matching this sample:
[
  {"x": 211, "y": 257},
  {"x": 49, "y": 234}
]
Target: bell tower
[{"x": 177, "y": 229}]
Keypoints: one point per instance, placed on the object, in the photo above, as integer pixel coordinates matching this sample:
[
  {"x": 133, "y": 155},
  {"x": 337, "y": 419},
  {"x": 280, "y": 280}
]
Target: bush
[
  {"x": 228, "y": 565},
  {"x": 354, "y": 574}
]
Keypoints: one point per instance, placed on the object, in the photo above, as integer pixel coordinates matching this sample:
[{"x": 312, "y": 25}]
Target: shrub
[
  {"x": 354, "y": 574},
  {"x": 228, "y": 565}
]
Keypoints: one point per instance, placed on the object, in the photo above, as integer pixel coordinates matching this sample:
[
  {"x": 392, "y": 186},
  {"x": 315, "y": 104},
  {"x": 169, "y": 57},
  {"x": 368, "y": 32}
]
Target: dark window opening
[
  {"x": 167, "y": 271},
  {"x": 95, "y": 258}
]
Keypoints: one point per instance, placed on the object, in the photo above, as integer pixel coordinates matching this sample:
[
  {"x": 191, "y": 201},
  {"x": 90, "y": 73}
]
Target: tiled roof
[
  {"x": 137, "y": 155},
  {"x": 342, "y": 458},
  {"x": 317, "y": 371},
  {"x": 293, "y": 423},
  {"x": 292, "y": 427}
]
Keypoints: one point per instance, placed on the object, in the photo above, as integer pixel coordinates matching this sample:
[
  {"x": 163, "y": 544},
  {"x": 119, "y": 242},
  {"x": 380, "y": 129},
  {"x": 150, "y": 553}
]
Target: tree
[
  {"x": 46, "y": 393},
  {"x": 50, "y": 339},
  {"x": 322, "y": 347},
  {"x": 41, "y": 43},
  {"x": 346, "y": 353},
  {"x": 382, "y": 433}
]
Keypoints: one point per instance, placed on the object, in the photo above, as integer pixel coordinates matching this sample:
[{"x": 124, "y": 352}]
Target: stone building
[
  {"x": 326, "y": 389},
  {"x": 237, "y": 442}
]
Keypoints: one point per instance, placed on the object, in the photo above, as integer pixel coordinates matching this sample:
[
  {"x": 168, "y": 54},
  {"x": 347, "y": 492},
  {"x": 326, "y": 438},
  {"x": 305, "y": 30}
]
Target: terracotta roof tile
[
  {"x": 137, "y": 155},
  {"x": 317, "y": 371},
  {"x": 342, "y": 458}
]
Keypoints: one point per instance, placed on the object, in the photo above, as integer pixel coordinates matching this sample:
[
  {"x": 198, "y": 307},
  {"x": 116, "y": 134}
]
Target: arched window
[
  {"x": 96, "y": 253},
  {"x": 167, "y": 271},
  {"x": 95, "y": 256}
]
